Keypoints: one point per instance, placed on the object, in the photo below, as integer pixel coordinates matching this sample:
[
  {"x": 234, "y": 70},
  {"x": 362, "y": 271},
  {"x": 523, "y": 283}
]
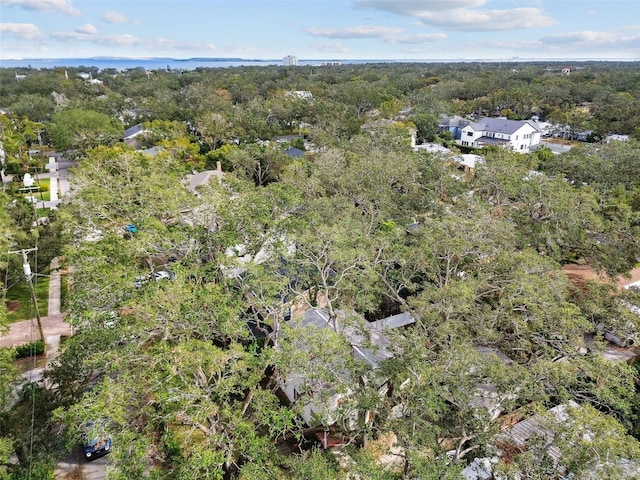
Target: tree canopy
[{"x": 188, "y": 370}]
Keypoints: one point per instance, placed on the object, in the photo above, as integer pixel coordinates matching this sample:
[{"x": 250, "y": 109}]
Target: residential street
[{"x": 74, "y": 466}]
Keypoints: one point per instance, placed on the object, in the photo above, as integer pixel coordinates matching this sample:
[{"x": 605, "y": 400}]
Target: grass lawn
[
  {"x": 25, "y": 364},
  {"x": 44, "y": 195},
  {"x": 19, "y": 303}
]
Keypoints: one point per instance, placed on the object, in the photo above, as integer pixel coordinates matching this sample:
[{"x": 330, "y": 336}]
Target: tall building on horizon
[{"x": 290, "y": 61}]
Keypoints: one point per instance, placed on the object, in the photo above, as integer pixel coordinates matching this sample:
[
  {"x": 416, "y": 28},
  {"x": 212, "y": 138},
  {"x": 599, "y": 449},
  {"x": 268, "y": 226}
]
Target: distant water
[{"x": 159, "y": 63}]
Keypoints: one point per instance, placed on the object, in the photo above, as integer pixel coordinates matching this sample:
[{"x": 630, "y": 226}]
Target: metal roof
[{"x": 537, "y": 426}]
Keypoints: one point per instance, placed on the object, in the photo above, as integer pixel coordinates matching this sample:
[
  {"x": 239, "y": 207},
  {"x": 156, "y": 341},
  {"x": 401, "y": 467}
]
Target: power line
[{"x": 26, "y": 267}]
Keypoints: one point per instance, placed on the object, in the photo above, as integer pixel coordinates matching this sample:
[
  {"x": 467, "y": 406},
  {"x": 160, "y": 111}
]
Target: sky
[{"x": 322, "y": 29}]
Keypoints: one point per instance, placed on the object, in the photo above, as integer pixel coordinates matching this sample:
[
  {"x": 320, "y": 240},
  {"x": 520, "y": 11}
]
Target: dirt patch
[
  {"x": 579, "y": 274},
  {"x": 635, "y": 277},
  {"x": 75, "y": 474},
  {"x": 562, "y": 141},
  {"x": 12, "y": 305},
  {"x": 25, "y": 364}
]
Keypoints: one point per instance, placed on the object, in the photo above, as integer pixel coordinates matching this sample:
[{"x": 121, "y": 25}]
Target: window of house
[{"x": 469, "y": 134}]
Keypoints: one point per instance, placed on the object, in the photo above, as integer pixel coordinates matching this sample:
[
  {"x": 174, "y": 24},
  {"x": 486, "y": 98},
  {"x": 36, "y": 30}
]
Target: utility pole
[
  {"x": 29, "y": 277},
  {"x": 2, "y": 157}
]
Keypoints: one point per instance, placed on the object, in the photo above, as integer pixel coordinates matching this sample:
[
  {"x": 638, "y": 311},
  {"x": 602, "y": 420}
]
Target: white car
[
  {"x": 156, "y": 276},
  {"x": 162, "y": 274}
]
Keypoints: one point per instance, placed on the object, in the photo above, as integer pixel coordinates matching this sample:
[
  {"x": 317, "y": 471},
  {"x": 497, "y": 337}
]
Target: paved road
[
  {"x": 63, "y": 175},
  {"x": 75, "y": 467}
]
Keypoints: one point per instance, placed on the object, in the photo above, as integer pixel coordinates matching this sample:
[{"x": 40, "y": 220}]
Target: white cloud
[
  {"x": 385, "y": 34},
  {"x": 355, "y": 32},
  {"x": 57, "y": 6},
  {"x": 419, "y": 38},
  {"x": 87, "y": 35},
  {"x": 110, "y": 40},
  {"x": 335, "y": 47},
  {"x": 111, "y": 16},
  {"x": 462, "y": 14},
  {"x": 21, "y": 31},
  {"x": 416, "y": 7},
  {"x": 87, "y": 29},
  {"x": 168, "y": 44},
  {"x": 488, "y": 20},
  {"x": 593, "y": 40},
  {"x": 119, "y": 40},
  {"x": 622, "y": 43}
]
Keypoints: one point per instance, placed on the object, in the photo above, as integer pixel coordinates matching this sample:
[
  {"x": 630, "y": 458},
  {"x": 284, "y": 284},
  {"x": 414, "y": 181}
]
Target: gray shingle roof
[
  {"x": 132, "y": 131},
  {"x": 501, "y": 125},
  {"x": 294, "y": 152},
  {"x": 369, "y": 343}
]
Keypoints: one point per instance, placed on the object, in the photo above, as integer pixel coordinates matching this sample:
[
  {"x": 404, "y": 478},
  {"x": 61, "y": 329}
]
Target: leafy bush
[{"x": 33, "y": 348}]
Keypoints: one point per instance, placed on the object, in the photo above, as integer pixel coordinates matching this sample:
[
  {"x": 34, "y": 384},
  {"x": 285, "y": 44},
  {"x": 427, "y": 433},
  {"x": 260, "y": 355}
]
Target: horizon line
[{"x": 413, "y": 60}]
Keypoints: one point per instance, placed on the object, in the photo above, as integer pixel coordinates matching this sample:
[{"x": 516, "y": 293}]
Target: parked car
[
  {"x": 129, "y": 230},
  {"x": 162, "y": 274},
  {"x": 95, "y": 441},
  {"x": 156, "y": 276}
]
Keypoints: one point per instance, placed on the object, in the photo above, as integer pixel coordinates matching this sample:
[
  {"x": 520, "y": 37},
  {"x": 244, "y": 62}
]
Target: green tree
[
  {"x": 313, "y": 465},
  {"x": 427, "y": 126},
  {"x": 79, "y": 129},
  {"x": 117, "y": 186},
  {"x": 589, "y": 445},
  {"x": 214, "y": 129},
  {"x": 262, "y": 165}
]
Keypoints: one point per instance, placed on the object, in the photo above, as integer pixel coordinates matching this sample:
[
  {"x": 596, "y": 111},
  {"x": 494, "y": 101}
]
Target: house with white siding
[{"x": 520, "y": 136}]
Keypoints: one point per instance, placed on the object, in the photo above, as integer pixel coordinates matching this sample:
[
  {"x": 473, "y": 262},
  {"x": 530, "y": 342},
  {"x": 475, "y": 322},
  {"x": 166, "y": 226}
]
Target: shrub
[{"x": 33, "y": 348}]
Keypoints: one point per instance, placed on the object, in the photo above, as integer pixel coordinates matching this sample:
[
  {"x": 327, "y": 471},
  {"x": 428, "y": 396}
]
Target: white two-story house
[{"x": 520, "y": 136}]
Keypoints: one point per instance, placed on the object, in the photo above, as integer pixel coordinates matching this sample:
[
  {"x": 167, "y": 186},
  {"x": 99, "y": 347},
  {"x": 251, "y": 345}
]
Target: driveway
[{"x": 555, "y": 147}]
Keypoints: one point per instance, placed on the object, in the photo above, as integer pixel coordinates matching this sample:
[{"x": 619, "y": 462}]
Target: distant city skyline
[{"x": 316, "y": 29}]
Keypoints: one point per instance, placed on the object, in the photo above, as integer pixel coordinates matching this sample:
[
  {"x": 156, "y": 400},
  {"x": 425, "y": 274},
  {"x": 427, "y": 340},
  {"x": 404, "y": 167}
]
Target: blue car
[
  {"x": 131, "y": 228},
  {"x": 94, "y": 442}
]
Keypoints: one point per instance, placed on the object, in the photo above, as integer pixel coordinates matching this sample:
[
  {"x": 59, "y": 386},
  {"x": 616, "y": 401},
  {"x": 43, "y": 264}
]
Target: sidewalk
[
  {"x": 53, "y": 327},
  {"x": 53, "y": 324}
]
